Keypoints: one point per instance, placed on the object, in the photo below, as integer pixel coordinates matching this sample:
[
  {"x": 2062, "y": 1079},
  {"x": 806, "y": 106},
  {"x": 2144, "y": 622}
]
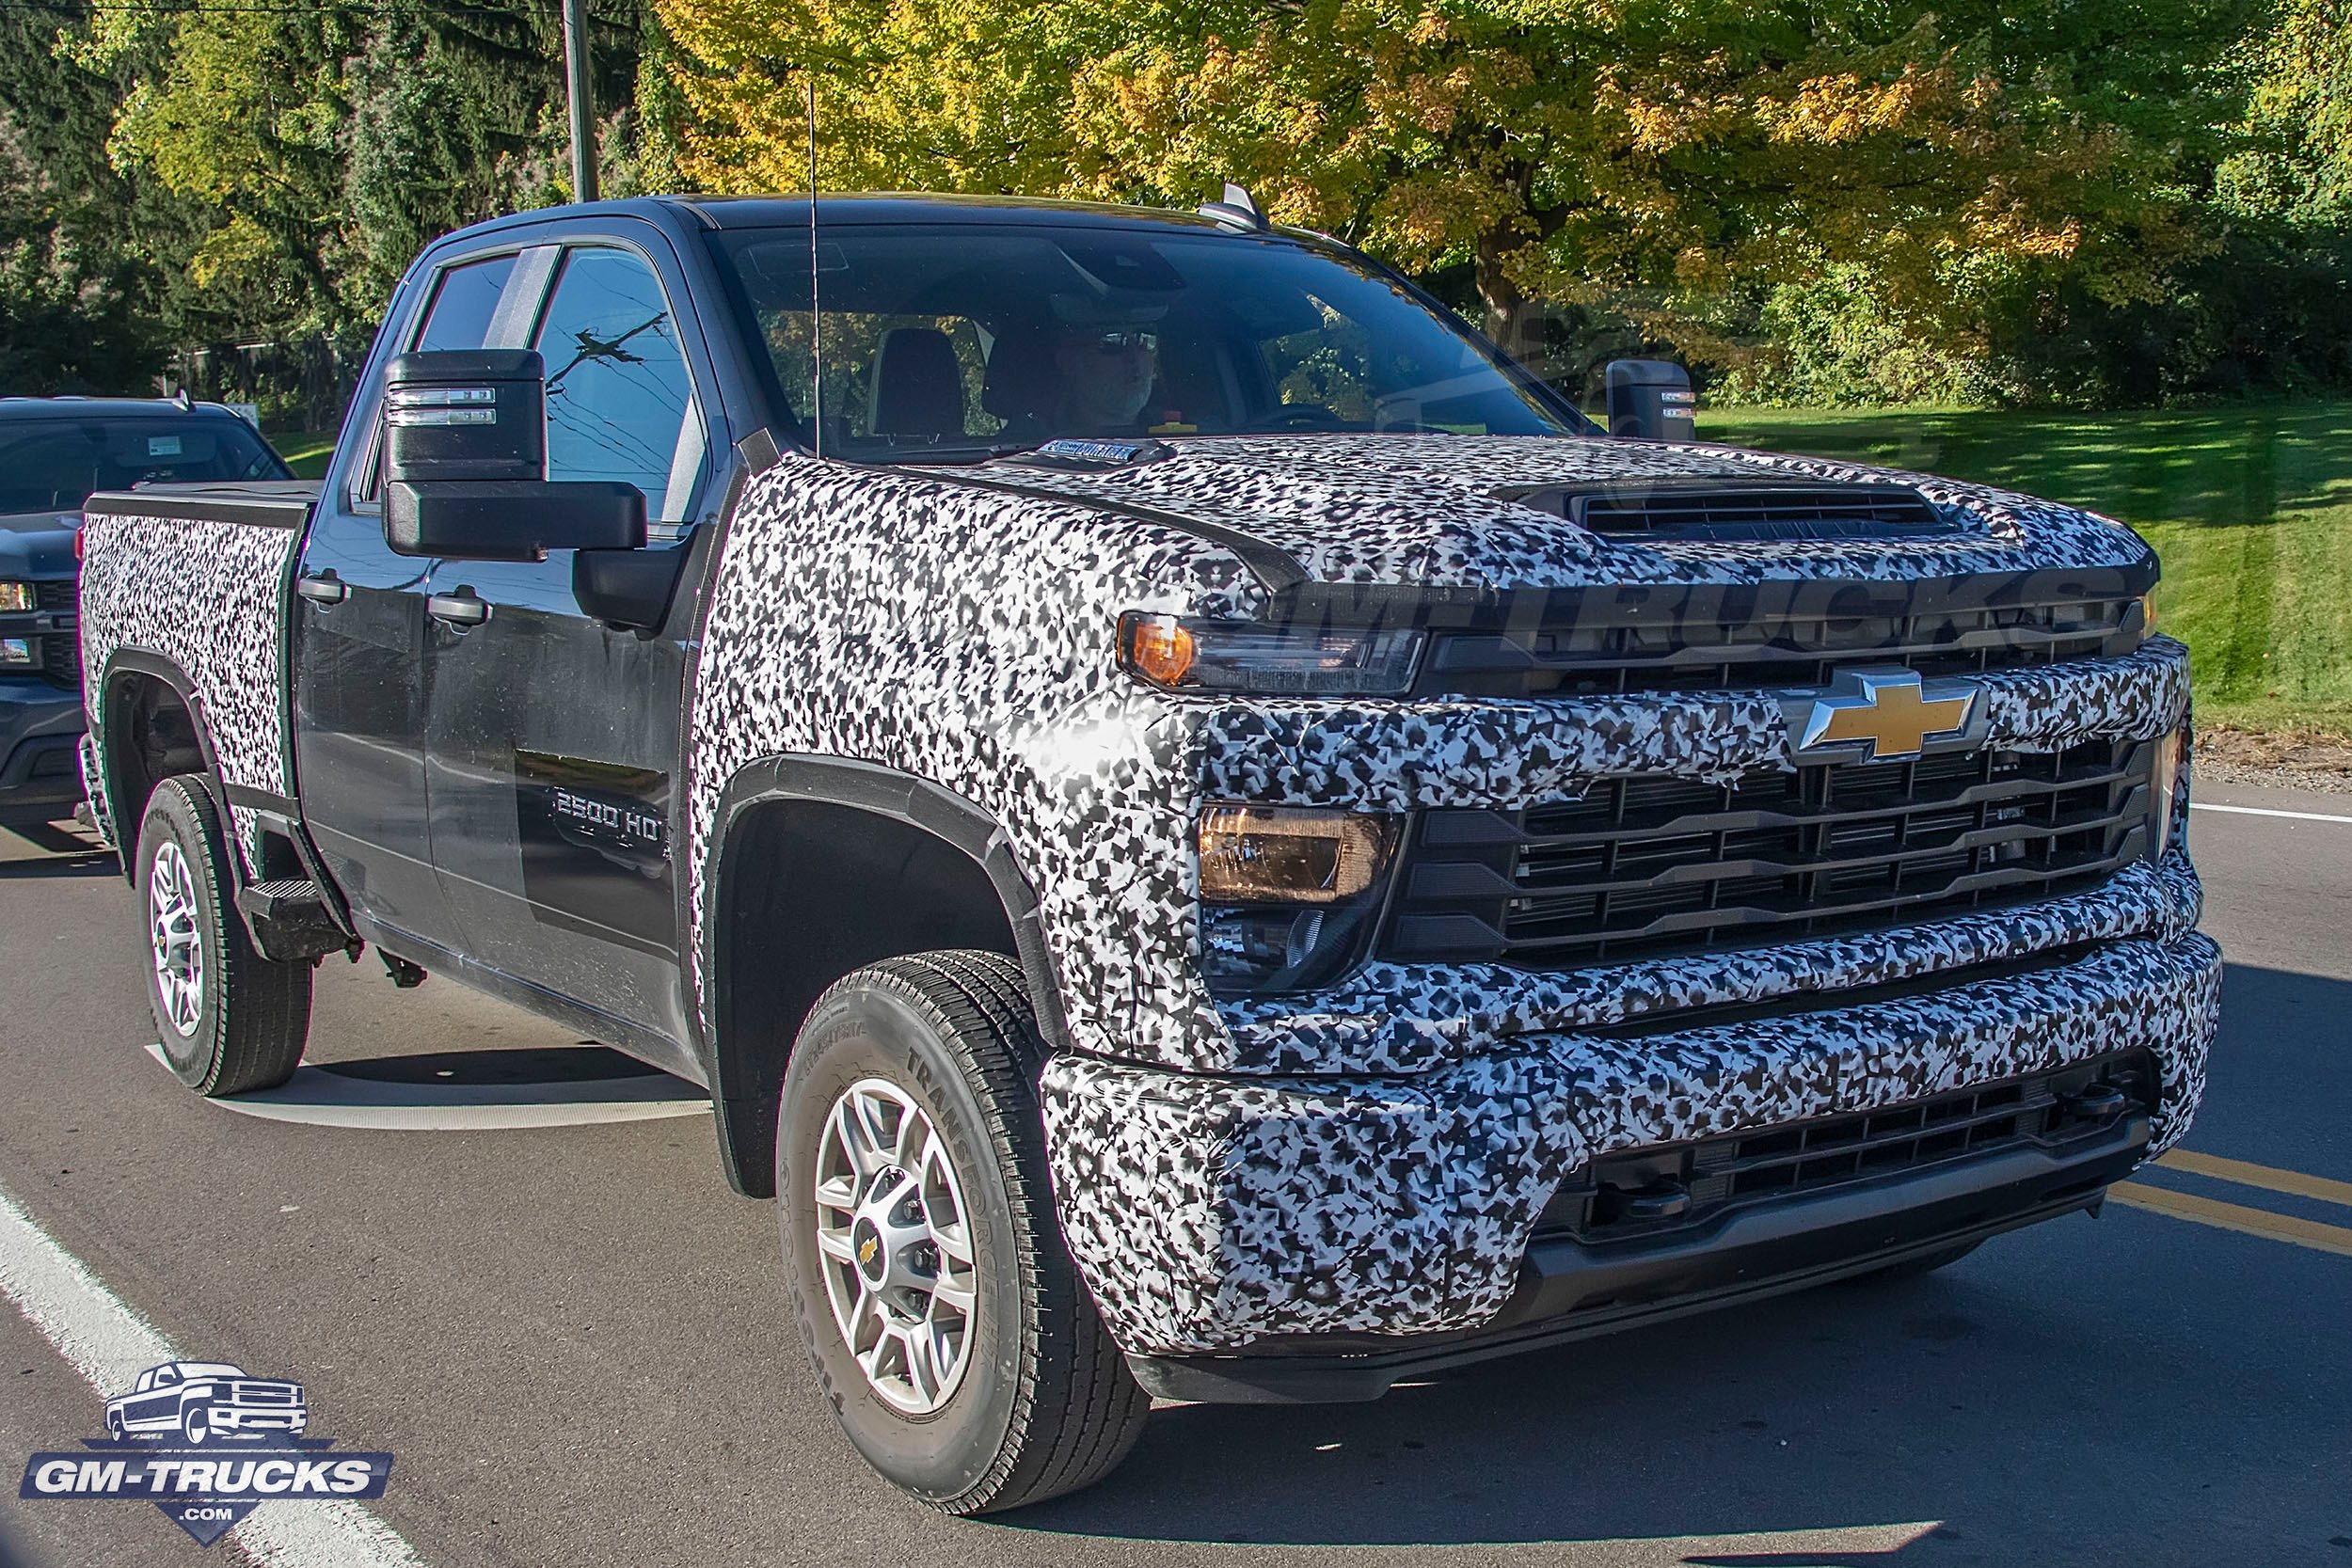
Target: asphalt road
[{"x": 572, "y": 1339}]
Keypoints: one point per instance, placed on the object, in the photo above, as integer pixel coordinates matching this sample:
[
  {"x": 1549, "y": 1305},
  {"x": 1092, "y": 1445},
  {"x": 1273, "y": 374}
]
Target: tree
[{"x": 1654, "y": 155}]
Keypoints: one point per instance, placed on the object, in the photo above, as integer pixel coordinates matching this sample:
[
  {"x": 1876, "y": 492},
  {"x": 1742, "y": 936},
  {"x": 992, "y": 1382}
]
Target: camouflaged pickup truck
[{"x": 1208, "y": 834}]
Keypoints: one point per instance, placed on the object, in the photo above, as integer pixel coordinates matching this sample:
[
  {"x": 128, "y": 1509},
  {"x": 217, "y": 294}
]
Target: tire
[
  {"x": 195, "y": 1427},
  {"x": 1036, "y": 1400},
  {"x": 241, "y": 1024},
  {"x": 1912, "y": 1268}
]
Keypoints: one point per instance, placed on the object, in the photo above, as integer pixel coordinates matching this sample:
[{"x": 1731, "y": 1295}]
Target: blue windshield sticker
[{"x": 1093, "y": 451}]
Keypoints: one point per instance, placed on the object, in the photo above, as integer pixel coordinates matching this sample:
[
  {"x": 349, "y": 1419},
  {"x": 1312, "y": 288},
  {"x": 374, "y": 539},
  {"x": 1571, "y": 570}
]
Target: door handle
[
  {"x": 461, "y": 609},
  {"x": 325, "y": 589}
]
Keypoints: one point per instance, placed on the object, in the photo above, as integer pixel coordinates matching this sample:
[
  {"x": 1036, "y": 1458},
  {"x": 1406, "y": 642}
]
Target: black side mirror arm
[{"x": 629, "y": 590}]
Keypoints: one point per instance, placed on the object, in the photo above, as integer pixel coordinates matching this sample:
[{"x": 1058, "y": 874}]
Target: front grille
[
  {"x": 58, "y": 654},
  {"x": 280, "y": 1394},
  {"x": 1754, "y": 647},
  {"x": 1659, "y": 866},
  {"x": 1728, "y": 513},
  {"x": 1671, "y": 1186}
]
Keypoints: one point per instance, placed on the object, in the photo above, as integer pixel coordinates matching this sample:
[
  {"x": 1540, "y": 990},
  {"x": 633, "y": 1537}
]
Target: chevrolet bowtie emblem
[{"x": 1880, "y": 715}]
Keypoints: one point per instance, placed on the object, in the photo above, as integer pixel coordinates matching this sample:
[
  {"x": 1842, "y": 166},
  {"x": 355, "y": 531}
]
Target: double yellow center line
[{"x": 2246, "y": 1221}]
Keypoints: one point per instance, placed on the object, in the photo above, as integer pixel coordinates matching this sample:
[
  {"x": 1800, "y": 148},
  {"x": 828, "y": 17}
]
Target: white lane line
[
  {"x": 106, "y": 1342},
  {"x": 2260, "y": 810}
]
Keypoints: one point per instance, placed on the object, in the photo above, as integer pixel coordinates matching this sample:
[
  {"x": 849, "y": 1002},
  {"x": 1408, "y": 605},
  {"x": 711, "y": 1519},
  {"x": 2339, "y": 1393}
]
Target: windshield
[
  {"x": 956, "y": 343},
  {"x": 51, "y": 464}
]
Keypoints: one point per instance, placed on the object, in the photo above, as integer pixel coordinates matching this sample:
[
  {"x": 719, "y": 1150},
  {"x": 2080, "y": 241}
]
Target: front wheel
[
  {"x": 228, "y": 1020},
  {"x": 945, "y": 1322}
]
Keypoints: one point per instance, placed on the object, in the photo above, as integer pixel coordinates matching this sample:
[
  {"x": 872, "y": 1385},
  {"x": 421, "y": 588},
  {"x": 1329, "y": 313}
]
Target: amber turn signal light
[{"x": 1158, "y": 647}]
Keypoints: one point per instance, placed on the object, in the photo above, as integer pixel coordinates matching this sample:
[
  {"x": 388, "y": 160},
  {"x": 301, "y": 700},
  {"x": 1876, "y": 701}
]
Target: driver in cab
[{"x": 1104, "y": 377}]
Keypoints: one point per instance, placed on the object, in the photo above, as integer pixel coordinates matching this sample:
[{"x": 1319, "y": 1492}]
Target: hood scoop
[{"x": 1738, "y": 510}]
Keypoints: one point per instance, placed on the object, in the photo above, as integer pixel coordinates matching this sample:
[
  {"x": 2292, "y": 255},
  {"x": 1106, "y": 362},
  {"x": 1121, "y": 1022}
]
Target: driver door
[{"x": 552, "y": 741}]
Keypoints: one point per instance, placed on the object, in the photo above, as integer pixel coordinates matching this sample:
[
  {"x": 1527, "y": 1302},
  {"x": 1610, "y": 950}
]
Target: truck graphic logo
[
  {"x": 1882, "y": 715},
  {"x": 207, "y": 1442},
  {"x": 198, "y": 1402}
]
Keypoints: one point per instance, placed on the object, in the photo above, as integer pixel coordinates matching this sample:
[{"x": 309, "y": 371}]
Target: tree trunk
[{"x": 1509, "y": 322}]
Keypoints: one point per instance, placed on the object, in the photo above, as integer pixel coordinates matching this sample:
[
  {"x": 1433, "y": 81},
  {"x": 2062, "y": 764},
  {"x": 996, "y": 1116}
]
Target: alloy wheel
[
  {"x": 894, "y": 1236},
  {"x": 177, "y": 936}
]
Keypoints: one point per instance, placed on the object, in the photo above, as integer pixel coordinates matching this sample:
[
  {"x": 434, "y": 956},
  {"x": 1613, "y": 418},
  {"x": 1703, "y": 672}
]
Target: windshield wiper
[{"x": 972, "y": 453}]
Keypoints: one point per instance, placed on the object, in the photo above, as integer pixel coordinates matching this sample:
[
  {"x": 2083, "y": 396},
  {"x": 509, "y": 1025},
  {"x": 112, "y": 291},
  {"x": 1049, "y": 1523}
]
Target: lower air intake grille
[{"x": 1670, "y": 1186}]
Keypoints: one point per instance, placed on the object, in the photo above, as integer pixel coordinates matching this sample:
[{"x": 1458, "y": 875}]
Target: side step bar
[{"x": 290, "y": 920}]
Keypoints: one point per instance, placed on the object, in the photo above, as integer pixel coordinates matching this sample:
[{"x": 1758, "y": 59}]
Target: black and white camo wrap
[
  {"x": 208, "y": 597},
  {"x": 1207, "y": 1212},
  {"x": 1372, "y": 1158},
  {"x": 965, "y": 635}
]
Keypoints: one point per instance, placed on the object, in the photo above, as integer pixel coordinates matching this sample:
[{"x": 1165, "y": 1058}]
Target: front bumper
[
  {"x": 1569, "y": 1291},
  {"x": 39, "y": 725},
  {"x": 1215, "y": 1214}
]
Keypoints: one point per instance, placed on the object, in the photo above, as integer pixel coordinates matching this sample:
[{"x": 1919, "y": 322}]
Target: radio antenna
[{"x": 816, "y": 321}]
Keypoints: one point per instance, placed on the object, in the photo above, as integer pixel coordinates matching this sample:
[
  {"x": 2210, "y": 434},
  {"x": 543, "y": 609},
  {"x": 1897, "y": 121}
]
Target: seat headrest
[
  {"x": 917, "y": 387},
  {"x": 1022, "y": 379}
]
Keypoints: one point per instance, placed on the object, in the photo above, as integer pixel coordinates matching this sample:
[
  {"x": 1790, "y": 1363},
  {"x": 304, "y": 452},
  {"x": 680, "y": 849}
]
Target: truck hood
[
  {"x": 1435, "y": 511},
  {"x": 37, "y": 544}
]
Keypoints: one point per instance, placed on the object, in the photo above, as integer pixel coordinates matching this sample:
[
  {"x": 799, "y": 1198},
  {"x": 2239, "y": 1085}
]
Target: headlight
[
  {"x": 2147, "y": 613},
  {"x": 2166, "y": 782},
  {"x": 1248, "y": 656},
  {"x": 1303, "y": 857},
  {"x": 1287, "y": 894},
  {"x": 16, "y": 595}
]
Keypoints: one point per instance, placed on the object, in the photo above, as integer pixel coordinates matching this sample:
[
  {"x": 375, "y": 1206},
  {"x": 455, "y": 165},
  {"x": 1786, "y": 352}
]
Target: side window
[
  {"x": 620, "y": 402},
  {"x": 459, "y": 316},
  {"x": 465, "y": 301}
]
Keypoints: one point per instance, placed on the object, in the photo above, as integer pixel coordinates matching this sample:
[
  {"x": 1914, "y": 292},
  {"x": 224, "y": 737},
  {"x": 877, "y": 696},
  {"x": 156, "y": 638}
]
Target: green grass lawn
[
  {"x": 305, "y": 452},
  {"x": 2249, "y": 507}
]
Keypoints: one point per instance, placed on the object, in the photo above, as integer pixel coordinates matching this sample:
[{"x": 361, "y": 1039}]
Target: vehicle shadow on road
[
  {"x": 42, "y": 849},
  {"x": 2110, "y": 1392}
]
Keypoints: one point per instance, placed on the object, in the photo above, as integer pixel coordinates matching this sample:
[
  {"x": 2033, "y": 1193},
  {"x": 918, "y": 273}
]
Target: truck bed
[
  {"x": 263, "y": 502},
  {"x": 189, "y": 584}
]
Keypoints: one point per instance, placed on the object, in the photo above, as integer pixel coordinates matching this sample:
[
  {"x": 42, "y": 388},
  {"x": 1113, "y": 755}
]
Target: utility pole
[{"x": 583, "y": 94}]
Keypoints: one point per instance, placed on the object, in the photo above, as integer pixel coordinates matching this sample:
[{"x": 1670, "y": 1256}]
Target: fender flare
[
  {"x": 954, "y": 819},
  {"x": 142, "y": 661}
]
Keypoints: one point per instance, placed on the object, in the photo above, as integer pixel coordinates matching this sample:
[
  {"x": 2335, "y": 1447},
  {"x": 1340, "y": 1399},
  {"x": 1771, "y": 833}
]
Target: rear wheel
[
  {"x": 228, "y": 1020},
  {"x": 950, "y": 1330}
]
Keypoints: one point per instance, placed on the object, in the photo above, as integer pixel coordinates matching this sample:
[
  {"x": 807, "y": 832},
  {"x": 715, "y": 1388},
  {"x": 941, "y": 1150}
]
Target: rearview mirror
[
  {"x": 1650, "y": 400},
  {"x": 465, "y": 465},
  {"x": 512, "y": 520}
]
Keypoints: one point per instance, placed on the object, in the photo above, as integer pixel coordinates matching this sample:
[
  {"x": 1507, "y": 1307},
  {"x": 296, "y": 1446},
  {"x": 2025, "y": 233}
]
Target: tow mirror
[
  {"x": 465, "y": 465},
  {"x": 1650, "y": 400}
]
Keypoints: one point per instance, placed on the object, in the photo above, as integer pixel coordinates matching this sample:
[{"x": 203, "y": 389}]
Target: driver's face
[{"x": 1106, "y": 376}]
